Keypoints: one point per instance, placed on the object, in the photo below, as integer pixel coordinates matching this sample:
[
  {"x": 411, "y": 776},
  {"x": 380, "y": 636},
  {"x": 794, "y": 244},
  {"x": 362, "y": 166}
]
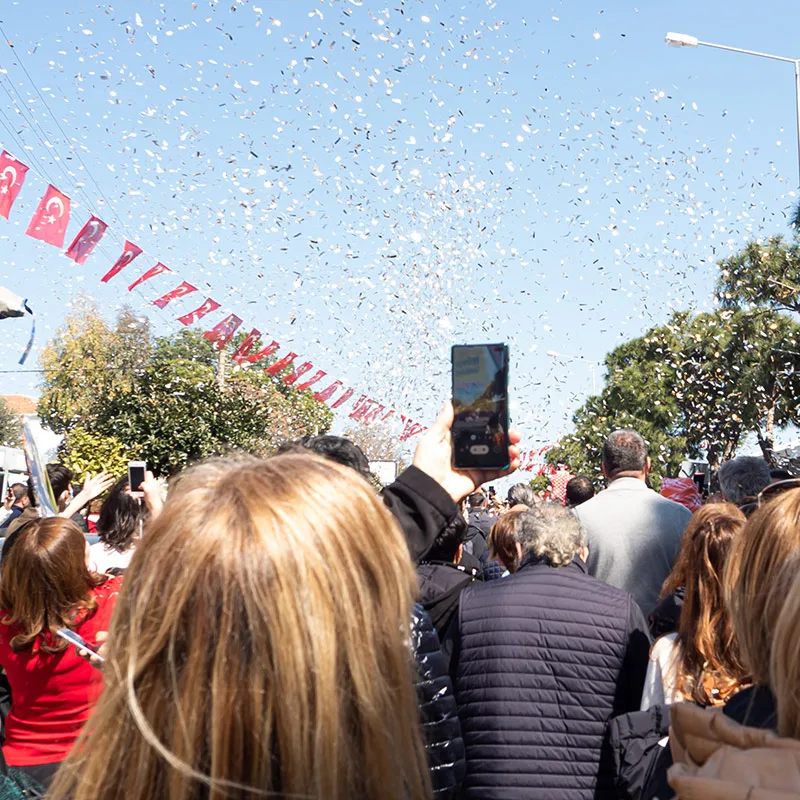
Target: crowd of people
[{"x": 284, "y": 628}]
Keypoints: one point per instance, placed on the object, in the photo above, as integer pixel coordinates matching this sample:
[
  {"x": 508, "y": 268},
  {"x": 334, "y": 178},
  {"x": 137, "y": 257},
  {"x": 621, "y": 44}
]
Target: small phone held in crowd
[
  {"x": 77, "y": 640},
  {"x": 480, "y": 403},
  {"x": 136, "y": 476}
]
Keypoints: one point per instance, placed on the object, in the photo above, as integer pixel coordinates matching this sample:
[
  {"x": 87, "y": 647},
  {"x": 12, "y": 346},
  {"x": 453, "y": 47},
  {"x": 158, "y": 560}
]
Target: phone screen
[
  {"x": 136, "y": 476},
  {"x": 480, "y": 403}
]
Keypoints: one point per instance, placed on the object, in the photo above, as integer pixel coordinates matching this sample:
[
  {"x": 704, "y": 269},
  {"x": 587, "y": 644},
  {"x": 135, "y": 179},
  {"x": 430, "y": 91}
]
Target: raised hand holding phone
[
  {"x": 137, "y": 473},
  {"x": 78, "y": 641}
]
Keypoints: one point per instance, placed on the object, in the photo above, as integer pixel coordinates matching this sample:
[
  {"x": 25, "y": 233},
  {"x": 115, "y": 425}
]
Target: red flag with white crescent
[
  {"x": 192, "y": 317},
  {"x": 12, "y": 176},
  {"x": 223, "y": 331},
  {"x": 129, "y": 252},
  {"x": 151, "y": 273},
  {"x": 50, "y": 220},
  {"x": 83, "y": 244},
  {"x": 179, "y": 291}
]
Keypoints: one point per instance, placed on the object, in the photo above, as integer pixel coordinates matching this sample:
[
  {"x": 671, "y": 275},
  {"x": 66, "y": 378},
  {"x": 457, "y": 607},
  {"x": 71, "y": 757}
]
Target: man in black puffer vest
[{"x": 545, "y": 658}]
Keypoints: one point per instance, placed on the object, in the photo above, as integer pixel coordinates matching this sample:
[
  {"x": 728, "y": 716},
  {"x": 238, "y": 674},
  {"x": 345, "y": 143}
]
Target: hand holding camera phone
[
  {"x": 136, "y": 476},
  {"x": 78, "y": 641},
  {"x": 480, "y": 405}
]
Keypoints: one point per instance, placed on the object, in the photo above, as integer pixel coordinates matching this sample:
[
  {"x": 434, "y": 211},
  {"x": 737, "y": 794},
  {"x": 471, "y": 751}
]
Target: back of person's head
[
  {"x": 521, "y": 494},
  {"x": 762, "y": 562},
  {"x": 46, "y": 583},
  {"x": 476, "y": 500},
  {"x": 785, "y": 663},
  {"x": 624, "y": 453},
  {"x": 121, "y": 517},
  {"x": 445, "y": 545},
  {"x": 60, "y": 478},
  {"x": 259, "y": 646},
  {"x": 551, "y": 534},
  {"x": 742, "y": 478},
  {"x": 710, "y": 668},
  {"x": 340, "y": 450},
  {"x": 19, "y": 491},
  {"x": 502, "y": 539},
  {"x": 579, "y": 490}
]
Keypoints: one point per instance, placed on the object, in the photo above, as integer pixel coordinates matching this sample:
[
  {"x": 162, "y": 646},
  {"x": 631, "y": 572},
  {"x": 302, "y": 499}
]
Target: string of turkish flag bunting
[{"x": 49, "y": 224}]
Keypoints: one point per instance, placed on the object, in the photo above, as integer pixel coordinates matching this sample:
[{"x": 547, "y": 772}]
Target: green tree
[
  {"x": 10, "y": 428},
  {"x": 697, "y": 384},
  {"x": 166, "y": 402}
]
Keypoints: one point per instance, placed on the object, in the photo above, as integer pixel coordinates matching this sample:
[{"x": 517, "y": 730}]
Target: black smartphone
[{"x": 480, "y": 403}]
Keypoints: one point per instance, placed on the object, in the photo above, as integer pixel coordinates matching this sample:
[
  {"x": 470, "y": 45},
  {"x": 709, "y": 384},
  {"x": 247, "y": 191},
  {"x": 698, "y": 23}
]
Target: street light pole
[{"x": 685, "y": 40}]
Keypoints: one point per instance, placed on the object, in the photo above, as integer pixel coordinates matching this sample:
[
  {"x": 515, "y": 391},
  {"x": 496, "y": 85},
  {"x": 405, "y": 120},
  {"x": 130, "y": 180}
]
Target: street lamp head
[{"x": 680, "y": 40}]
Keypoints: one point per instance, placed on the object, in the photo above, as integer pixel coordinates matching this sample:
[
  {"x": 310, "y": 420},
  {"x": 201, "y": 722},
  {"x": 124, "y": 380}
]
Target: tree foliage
[
  {"x": 10, "y": 428},
  {"x": 161, "y": 400},
  {"x": 694, "y": 386}
]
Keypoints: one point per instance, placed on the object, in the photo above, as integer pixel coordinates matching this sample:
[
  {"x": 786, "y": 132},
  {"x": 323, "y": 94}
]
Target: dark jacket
[
  {"x": 480, "y": 524},
  {"x": 15, "y": 512},
  {"x": 442, "y": 730},
  {"x": 546, "y": 657},
  {"x": 666, "y": 616},
  {"x": 754, "y": 707},
  {"x": 421, "y": 507},
  {"x": 440, "y": 587}
]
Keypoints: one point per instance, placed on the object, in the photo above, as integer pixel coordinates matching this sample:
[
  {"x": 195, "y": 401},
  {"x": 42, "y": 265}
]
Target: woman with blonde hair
[
  {"x": 717, "y": 757},
  {"x": 260, "y": 647},
  {"x": 700, "y": 662}
]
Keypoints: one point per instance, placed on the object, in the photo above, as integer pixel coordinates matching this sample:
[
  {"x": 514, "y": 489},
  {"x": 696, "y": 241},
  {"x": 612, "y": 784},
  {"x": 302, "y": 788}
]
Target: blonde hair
[
  {"x": 763, "y": 560},
  {"x": 259, "y": 647},
  {"x": 785, "y": 664}
]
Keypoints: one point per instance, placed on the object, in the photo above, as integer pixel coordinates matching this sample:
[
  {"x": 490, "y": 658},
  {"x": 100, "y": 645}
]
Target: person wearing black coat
[
  {"x": 545, "y": 658},
  {"x": 440, "y": 725}
]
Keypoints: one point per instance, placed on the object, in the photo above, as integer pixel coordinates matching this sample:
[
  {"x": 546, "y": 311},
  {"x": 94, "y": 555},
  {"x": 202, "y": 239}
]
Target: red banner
[
  {"x": 129, "y": 252},
  {"x": 410, "y": 428},
  {"x": 298, "y": 373},
  {"x": 83, "y": 244},
  {"x": 12, "y": 176},
  {"x": 317, "y": 376},
  {"x": 264, "y": 352},
  {"x": 343, "y": 399},
  {"x": 326, "y": 394},
  {"x": 151, "y": 273},
  {"x": 281, "y": 364},
  {"x": 366, "y": 410},
  {"x": 223, "y": 331},
  {"x": 246, "y": 346},
  {"x": 50, "y": 220},
  {"x": 193, "y": 316},
  {"x": 179, "y": 291}
]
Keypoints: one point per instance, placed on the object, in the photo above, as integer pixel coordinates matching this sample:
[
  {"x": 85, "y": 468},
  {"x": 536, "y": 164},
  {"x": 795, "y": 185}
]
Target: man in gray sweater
[{"x": 633, "y": 533}]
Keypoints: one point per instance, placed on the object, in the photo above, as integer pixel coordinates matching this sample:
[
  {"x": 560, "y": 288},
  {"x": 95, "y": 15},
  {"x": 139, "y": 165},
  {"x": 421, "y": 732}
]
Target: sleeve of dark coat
[
  {"x": 634, "y": 666},
  {"x": 421, "y": 507},
  {"x": 444, "y": 745}
]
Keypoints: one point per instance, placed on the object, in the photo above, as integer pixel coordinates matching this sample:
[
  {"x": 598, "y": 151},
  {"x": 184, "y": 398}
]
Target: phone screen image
[
  {"x": 136, "y": 476},
  {"x": 480, "y": 404}
]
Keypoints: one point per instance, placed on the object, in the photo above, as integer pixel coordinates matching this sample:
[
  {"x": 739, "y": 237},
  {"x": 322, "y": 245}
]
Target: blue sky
[{"x": 370, "y": 183}]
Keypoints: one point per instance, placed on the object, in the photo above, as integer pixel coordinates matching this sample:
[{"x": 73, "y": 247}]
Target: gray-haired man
[{"x": 633, "y": 533}]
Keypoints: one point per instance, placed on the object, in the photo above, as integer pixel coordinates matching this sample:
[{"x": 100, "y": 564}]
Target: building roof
[{"x": 19, "y": 403}]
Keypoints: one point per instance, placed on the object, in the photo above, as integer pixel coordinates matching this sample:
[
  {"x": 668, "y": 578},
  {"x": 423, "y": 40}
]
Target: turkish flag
[
  {"x": 83, "y": 244},
  {"x": 223, "y": 331},
  {"x": 192, "y": 317},
  {"x": 50, "y": 220},
  {"x": 179, "y": 291},
  {"x": 12, "y": 176},
  {"x": 151, "y": 273},
  {"x": 128, "y": 254}
]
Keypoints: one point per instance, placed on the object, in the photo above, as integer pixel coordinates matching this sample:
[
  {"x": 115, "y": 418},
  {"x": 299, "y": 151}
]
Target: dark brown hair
[
  {"x": 503, "y": 538},
  {"x": 709, "y": 666},
  {"x": 45, "y": 583}
]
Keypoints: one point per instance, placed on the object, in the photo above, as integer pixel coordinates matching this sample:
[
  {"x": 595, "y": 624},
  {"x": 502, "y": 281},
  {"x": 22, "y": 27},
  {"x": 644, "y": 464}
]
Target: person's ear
[
  {"x": 647, "y": 464},
  {"x": 604, "y": 470},
  {"x": 519, "y": 551},
  {"x": 583, "y": 552},
  {"x": 63, "y": 497},
  {"x": 459, "y": 553}
]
